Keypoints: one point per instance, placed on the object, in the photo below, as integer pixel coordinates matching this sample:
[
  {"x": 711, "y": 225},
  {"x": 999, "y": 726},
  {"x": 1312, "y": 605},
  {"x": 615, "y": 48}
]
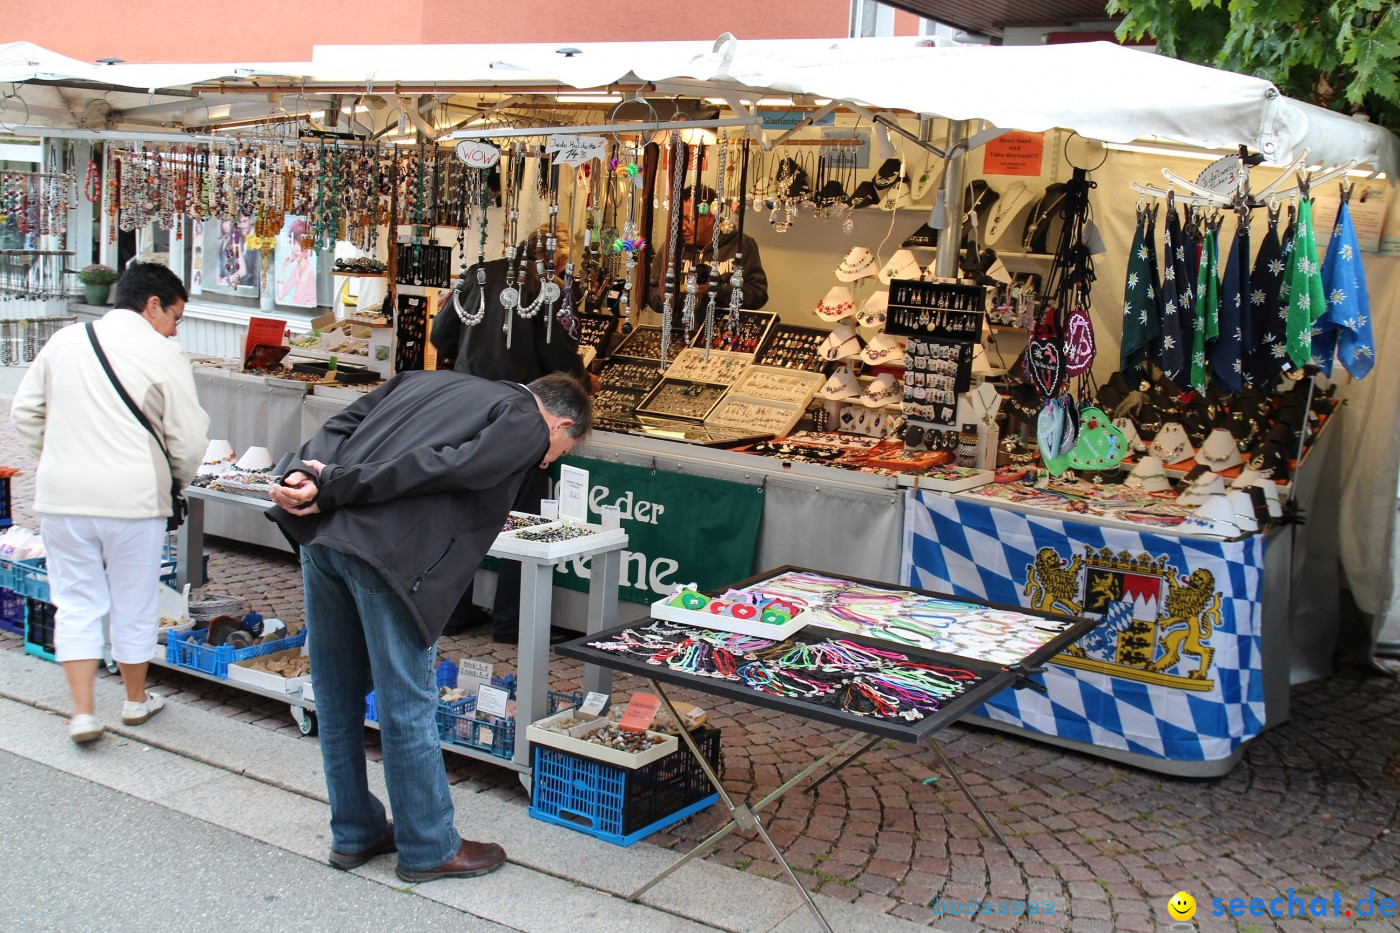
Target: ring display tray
[
  {"x": 534, "y": 541},
  {"x": 677, "y": 399}
]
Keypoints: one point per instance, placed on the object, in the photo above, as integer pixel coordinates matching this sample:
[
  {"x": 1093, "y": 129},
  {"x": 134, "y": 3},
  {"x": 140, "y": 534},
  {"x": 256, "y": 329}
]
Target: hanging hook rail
[{"x": 604, "y": 128}]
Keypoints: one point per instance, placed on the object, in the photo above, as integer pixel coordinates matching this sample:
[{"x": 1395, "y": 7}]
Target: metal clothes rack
[{"x": 1242, "y": 198}]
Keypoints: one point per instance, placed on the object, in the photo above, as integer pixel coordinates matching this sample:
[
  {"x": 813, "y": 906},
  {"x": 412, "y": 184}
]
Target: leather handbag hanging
[
  {"x": 1079, "y": 342},
  {"x": 1045, "y": 357},
  {"x": 1044, "y": 222}
]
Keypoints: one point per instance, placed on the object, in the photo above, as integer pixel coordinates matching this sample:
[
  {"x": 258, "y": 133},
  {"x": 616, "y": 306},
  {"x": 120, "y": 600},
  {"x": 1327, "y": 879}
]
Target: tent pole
[{"x": 945, "y": 264}]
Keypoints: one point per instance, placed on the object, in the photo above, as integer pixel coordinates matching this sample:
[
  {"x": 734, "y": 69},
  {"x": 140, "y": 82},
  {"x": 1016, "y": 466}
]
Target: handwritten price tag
[
  {"x": 575, "y": 150},
  {"x": 640, "y": 712},
  {"x": 478, "y": 154}
]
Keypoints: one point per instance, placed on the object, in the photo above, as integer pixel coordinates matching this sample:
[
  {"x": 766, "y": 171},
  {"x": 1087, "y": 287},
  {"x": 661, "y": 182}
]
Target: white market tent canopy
[{"x": 1099, "y": 90}]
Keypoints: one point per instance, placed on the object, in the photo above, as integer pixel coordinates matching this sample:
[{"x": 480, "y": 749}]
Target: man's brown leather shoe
[
  {"x": 348, "y": 860},
  {"x": 472, "y": 859}
]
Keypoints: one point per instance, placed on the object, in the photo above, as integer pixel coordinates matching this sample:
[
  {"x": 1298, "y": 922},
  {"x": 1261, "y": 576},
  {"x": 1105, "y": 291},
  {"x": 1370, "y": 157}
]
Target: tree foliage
[{"x": 1342, "y": 54}]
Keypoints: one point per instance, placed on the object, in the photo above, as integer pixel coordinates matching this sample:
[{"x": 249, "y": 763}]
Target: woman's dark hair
[
  {"x": 565, "y": 397},
  {"x": 141, "y": 280}
]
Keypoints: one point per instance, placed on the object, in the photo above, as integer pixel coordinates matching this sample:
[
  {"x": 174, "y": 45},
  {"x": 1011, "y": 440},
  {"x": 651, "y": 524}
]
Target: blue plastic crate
[
  {"x": 11, "y": 611},
  {"x": 621, "y": 805},
  {"x": 187, "y": 649},
  {"x": 458, "y": 725},
  {"x": 371, "y": 709},
  {"x": 169, "y": 576},
  {"x": 31, "y": 578}
]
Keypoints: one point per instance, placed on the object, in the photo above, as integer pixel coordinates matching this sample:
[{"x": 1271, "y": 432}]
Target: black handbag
[{"x": 179, "y": 508}]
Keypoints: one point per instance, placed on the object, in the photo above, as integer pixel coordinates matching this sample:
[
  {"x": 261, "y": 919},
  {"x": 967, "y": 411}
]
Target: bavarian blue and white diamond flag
[
  {"x": 1174, "y": 671},
  {"x": 1344, "y": 331}
]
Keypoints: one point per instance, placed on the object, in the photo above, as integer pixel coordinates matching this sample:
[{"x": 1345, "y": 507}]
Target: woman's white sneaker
[
  {"x": 133, "y": 714},
  {"x": 84, "y": 727}
]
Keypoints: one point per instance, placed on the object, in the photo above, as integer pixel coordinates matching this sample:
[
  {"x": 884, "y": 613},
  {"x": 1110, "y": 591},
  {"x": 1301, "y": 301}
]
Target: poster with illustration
[
  {"x": 295, "y": 262},
  {"x": 197, "y": 258},
  {"x": 225, "y": 262}
]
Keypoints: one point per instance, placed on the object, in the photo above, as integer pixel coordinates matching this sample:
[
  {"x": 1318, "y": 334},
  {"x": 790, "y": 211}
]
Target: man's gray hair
[{"x": 565, "y": 397}]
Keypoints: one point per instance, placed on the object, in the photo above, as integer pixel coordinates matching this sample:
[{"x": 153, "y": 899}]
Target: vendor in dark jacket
[
  {"x": 480, "y": 350},
  {"x": 699, "y": 253},
  {"x": 395, "y": 503}
]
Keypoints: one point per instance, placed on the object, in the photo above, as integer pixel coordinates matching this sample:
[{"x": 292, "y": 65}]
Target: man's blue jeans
[{"x": 362, "y": 637}]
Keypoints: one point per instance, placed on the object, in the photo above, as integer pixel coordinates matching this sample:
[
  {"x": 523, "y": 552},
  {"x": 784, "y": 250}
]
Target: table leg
[
  {"x": 602, "y": 612},
  {"x": 812, "y": 787},
  {"x": 532, "y": 678},
  {"x": 189, "y": 549},
  {"x": 742, "y": 816},
  {"x": 968, "y": 792}
]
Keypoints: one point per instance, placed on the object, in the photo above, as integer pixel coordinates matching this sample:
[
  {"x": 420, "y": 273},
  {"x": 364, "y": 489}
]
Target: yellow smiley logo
[{"x": 1182, "y": 906}]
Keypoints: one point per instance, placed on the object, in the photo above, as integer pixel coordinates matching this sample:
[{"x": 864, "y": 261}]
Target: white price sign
[
  {"x": 573, "y": 493},
  {"x": 575, "y": 150},
  {"x": 478, "y": 154},
  {"x": 1222, "y": 176},
  {"x": 491, "y": 701}
]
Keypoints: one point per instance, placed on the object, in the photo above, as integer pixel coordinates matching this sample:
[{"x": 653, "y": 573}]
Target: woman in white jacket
[{"x": 103, "y": 484}]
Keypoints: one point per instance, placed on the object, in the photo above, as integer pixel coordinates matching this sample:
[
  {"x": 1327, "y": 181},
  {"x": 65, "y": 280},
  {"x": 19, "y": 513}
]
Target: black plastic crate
[
  {"x": 622, "y": 805},
  {"x": 4, "y": 502},
  {"x": 11, "y": 611},
  {"x": 38, "y": 629}
]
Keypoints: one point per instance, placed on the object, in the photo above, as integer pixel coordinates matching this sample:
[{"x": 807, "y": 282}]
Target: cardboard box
[
  {"x": 572, "y": 741},
  {"x": 240, "y": 672}
]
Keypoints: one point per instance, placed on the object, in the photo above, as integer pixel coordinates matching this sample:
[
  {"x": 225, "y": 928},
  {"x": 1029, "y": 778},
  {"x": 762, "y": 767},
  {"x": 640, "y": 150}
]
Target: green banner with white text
[{"x": 680, "y": 528}]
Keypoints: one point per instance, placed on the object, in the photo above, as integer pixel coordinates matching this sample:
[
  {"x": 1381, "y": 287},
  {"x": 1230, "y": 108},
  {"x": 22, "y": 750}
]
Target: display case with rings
[
  {"x": 680, "y": 400},
  {"x": 747, "y": 336},
  {"x": 792, "y": 347},
  {"x": 644, "y": 343},
  {"x": 596, "y": 331},
  {"x": 716, "y": 367},
  {"x": 761, "y": 415}
]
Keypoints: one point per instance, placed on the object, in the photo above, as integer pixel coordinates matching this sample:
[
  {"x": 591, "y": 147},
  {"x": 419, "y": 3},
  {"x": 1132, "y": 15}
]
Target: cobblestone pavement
[{"x": 1311, "y": 809}]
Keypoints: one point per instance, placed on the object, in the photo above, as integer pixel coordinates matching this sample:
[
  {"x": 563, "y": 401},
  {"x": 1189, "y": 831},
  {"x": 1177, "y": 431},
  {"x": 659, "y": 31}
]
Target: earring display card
[
  {"x": 718, "y": 368},
  {"x": 936, "y": 372},
  {"x": 747, "y": 337},
  {"x": 944, "y": 310},
  {"x": 680, "y": 400},
  {"x": 794, "y": 348},
  {"x": 644, "y": 343}
]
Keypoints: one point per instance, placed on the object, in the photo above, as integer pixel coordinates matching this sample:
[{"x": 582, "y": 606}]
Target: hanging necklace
[
  {"x": 629, "y": 243},
  {"x": 510, "y": 295},
  {"x": 526, "y": 252},
  {"x": 736, "y": 278},
  {"x": 714, "y": 245},
  {"x": 692, "y": 284},
  {"x": 476, "y": 197},
  {"x": 549, "y": 290},
  {"x": 678, "y": 154}
]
